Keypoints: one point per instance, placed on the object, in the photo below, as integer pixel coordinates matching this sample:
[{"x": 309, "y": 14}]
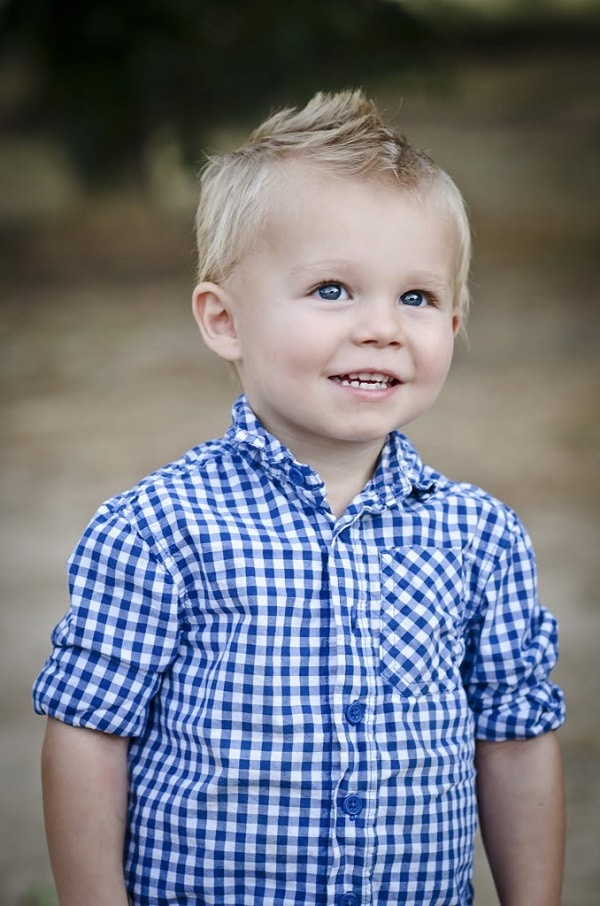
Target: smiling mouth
[{"x": 366, "y": 380}]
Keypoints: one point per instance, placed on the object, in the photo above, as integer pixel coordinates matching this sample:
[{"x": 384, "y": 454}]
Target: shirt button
[
  {"x": 353, "y": 806},
  {"x": 354, "y": 713},
  {"x": 348, "y": 899},
  {"x": 296, "y": 475}
]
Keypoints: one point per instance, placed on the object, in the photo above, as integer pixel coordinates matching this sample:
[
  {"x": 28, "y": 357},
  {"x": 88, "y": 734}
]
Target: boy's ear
[{"x": 214, "y": 314}]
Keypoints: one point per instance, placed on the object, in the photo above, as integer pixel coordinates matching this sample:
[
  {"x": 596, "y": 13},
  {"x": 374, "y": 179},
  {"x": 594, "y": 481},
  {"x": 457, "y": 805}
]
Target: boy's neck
[
  {"x": 344, "y": 467},
  {"x": 340, "y": 497},
  {"x": 345, "y": 475}
]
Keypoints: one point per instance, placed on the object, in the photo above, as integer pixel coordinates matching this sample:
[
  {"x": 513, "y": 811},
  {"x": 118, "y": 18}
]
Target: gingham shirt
[{"x": 302, "y": 693}]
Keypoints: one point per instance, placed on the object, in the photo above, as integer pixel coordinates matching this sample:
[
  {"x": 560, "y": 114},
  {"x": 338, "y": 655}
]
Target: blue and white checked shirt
[{"x": 302, "y": 693}]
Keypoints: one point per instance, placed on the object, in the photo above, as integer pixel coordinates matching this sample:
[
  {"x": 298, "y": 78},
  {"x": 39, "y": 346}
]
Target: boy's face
[{"x": 342, "y": 322}]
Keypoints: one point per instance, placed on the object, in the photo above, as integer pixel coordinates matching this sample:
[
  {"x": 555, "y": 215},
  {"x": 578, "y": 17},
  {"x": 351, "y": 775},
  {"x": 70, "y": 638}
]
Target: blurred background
[{"x": 107, "y": 110}]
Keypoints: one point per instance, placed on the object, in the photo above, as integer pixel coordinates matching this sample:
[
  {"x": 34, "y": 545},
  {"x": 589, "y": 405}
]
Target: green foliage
[{"x": 111, "y": 74}]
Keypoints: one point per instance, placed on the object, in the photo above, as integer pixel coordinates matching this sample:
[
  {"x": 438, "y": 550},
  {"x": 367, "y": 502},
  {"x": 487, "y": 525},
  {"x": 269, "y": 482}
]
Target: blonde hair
[{"x": 342, "y": 132}]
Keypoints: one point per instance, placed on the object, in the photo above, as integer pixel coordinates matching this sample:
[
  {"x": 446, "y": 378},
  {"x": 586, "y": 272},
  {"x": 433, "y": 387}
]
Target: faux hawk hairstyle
[{"x": 342, "y": 133}]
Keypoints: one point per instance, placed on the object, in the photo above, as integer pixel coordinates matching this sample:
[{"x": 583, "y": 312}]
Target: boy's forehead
[
  {"x": 311, "y": 213},
  {"x": 306, "y": 230},
  {"x": 297, "y": 178},
  {"x": 301, "y": 182},
  {"x": 302, "y": 191}
]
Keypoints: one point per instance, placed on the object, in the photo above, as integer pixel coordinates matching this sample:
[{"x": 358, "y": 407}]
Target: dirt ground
[{"x": 104, "y": 379}]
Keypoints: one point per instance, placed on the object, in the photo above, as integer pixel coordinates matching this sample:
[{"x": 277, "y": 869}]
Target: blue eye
[
  {"x": 331, "y": 292},
  {"x": 414, "y": 298}
]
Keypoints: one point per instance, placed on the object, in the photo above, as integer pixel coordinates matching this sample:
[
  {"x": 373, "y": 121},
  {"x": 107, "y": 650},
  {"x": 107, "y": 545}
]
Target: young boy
[{"x": 288, "y": 652}]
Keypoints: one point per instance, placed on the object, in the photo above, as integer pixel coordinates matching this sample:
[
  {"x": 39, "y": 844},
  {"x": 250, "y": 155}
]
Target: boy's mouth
[{"x": 366, "y": 380}]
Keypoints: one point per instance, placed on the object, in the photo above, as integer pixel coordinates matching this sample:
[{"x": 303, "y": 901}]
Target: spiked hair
[{"x": 342, "y": 133}]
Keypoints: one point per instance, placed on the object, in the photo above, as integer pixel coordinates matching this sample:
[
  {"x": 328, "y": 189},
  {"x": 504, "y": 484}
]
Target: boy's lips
[{"x": 366, "y": 380}]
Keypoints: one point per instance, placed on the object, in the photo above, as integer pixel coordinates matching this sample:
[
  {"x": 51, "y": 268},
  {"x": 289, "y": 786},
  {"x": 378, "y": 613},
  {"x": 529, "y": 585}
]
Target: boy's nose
[{"x": 380, "y": 324}]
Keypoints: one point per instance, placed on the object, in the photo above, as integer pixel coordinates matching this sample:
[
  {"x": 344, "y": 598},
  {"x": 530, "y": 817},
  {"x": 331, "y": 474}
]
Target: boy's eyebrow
[
  {"x": 322, "y": 266},
  {"x": 339, "y": 267},
  {"x": 430, "y": 279}
]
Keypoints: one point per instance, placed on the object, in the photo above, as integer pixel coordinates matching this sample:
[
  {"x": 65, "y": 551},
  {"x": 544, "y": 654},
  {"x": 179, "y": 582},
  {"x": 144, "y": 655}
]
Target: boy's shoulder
[
  {"x": 440, "y": 485},
  {"x": 165, "y": 507},
  {"x": 189, "y": 471},
  {"x": 465, "y": 505}
]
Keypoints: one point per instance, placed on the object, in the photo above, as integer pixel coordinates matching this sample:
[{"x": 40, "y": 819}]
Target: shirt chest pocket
[{"x": 421, "y": 644}]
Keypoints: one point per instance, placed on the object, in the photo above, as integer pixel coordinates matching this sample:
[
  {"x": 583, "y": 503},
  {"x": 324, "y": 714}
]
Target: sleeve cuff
[
  {"x": 505, "y": 716},
  {"x": 86, "y": 689}
]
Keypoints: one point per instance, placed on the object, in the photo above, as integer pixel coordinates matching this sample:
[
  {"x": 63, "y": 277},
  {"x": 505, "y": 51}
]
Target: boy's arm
[
  {"x": 520, "y": 791},
  {"x": 84, "y": 779}
]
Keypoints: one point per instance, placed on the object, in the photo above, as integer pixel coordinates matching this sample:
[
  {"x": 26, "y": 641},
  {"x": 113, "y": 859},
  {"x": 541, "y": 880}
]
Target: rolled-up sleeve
[
  {"x": 512, "y": 648},
  {"x": 120, "y": 634}
]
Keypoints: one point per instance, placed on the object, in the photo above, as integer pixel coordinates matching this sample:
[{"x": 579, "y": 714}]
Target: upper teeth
[{"x": 368, "y": 378}]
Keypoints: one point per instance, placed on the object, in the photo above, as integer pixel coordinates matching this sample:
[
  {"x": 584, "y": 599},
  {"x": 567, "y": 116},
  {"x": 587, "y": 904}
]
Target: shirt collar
[{"x": 400, "y": 472}]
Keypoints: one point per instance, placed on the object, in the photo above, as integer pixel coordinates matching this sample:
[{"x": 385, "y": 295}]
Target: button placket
[{"x": 354, "y": 643}]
